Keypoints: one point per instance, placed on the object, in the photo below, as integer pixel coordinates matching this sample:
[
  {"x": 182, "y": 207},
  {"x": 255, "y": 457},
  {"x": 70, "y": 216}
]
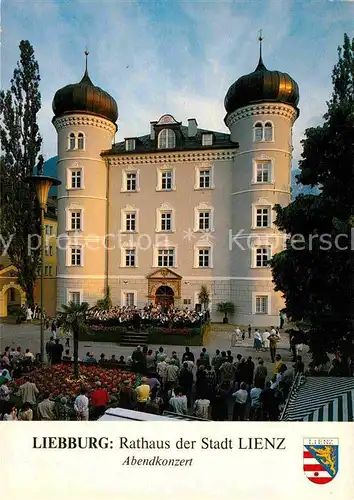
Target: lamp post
[{"x": 42, "y": 184}]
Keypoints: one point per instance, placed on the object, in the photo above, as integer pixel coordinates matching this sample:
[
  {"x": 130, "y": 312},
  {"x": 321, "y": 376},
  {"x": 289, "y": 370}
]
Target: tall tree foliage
[
  {"x": 20, "y": 145},
  {"x": 316, "y": 271}
]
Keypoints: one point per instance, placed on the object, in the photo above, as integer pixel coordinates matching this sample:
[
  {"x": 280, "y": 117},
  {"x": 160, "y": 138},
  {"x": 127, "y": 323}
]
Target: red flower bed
[{"x": 59, "y": 380}]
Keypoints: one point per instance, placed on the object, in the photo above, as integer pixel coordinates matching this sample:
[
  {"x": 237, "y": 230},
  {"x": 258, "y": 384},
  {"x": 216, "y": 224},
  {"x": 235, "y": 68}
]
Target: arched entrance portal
[
  {"x": 164, "y": 296},
  {"x": 11, "y": 294}
]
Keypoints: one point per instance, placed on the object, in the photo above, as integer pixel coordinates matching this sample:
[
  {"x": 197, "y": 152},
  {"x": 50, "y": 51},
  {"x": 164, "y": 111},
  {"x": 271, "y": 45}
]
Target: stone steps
[{"x": 134, "y": 339}]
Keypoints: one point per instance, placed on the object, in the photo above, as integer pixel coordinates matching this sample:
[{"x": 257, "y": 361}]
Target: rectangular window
[
  {"x": 204, "y": 178},
  {"x": 166, "y": 221},
  {"x": 207, "y": 139},
  {"x": 130, "y": 258},
  {"x": 166, "y": 257},
  {"x": 76, "y": 256},
  {"x": 130, "y": 222},
  {"x": 166, "y": 181},
  {"x": 204, "y": 257},
  {"x": 263, "y": 171},
  {"x": 76, "y": 220},
  {"x": 262, "y": 219},
  {"x": 47, "y": 250},
  {"x": 187, "y": 302},
  {"x": 50, "y": 270},
  {"x": 129, "y": 299},
  {"x": 131, "y": 181},
  {"x": 45, "y": 270},
  {"x": 50, "y": 250},
  {"x": 262, "y": 256},
  {"x": 204, "y": 221},
  {"x": 262, "y": 304},
  {"x": 76, "y": 178},
  {"x": 129, "y": 144},
  {"x": 74, "y": 297}
]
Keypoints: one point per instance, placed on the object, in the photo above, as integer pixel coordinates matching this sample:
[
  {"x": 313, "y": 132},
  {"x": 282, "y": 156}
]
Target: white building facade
[{"x": 156, "y": 217}]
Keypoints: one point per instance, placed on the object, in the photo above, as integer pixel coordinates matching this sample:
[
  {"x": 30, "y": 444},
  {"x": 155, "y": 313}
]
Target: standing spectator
[
  {"x": 202, "y": 361},
  {"x": 100, "y": 399},
  {"x": 202, "y": 408},
  {"x": 227, "y": 371},
  {"x": 256, "y": 405},
  {"x": 235, "y": 335},
  {"x": 278, "y": 363},
  {"x": 176, "y": 359},
  {"x": 143, "y": 392},
  {"x": 54, "y": 330},
  {"x": 4, "y": 396},
  {"x": 61, "y": 409},
  {"x": 240, "y": 400},
  {"x": 185, "y": 380},
  {"x": 45, "y": 409},
  {"x": 188, "y": 355},
  {"x": 249, "y": 331},
  {"x": 249, "y": 371},
  {"x": 81, "y": 405},
  {"x": 127, "y": 396},
  {"x": 299, "y": 366},
  {"x": 260, "y": 374},
  {"x": 219, "y": 404},
  {"x": 150, "y": 362},
  {"x": 26, "y": 412},
  {"x": 28, "y": 392},
  {"x": 206, "y": 355},
  {"x": 273, "y": 340},
  {"x": 257, "y": 340},
  {"x": 171, "y": 372},
  {"x": 161, "y": 369},
  {"x": 57, "y": 352},
  {"x": 29, "y": 355},
  {"x": 160, "y": 355},
  {"x": 269, "y": 403},
  {"x": 48, "y": 349},
  {"x": 139, "y": 360},
  {"x": 282, "y": 319},
  {"x": 178, "y": 403},
  {"x": 29, "y": 315}
]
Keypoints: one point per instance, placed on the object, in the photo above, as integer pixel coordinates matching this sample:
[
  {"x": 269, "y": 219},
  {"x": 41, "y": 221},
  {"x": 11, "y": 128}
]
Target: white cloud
[{"x": 176, "y": 57}]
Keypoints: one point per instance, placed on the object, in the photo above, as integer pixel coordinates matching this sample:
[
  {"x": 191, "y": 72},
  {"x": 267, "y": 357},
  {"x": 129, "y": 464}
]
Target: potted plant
[
  {"x": 226, "y": 308},
  {"x": 204, "y": 297}
]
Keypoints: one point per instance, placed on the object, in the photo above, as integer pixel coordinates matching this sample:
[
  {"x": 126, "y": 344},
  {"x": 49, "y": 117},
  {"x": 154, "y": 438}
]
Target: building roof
[
  {"x": 145, "y": 144},
  {"x": 85, "y": 97},
  {"x": 325, "y": 399},
  {"x": 262, "y": 85}
]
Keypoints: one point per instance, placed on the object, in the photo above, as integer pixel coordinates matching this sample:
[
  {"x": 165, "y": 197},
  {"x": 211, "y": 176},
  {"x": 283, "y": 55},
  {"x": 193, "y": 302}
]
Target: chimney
[
  {"x": 152, "y": 130},
  {"x": 192, "y": 127}
]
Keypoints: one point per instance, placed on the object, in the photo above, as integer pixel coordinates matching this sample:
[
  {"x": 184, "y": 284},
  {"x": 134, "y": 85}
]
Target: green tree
[
  {"x": 204, "y": 297},
  {"x": 105, "y": 304},
  {"x": 20, "y": 146},
  {"x": 73, "y": 321},
  {"x": 226, "y": 308},
  {"x": 316, "y": 270}
]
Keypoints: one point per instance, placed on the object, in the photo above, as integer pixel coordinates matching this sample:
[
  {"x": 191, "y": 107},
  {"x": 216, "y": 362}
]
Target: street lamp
[{"x": 42, "y": 184}]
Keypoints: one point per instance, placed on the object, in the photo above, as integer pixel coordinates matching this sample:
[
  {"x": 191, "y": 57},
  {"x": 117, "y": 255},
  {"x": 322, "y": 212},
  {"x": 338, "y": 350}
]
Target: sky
[{"x": 177, "y": 57}]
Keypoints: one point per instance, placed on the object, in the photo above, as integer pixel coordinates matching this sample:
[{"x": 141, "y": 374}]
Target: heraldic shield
[{"x": 321, "y": 459}]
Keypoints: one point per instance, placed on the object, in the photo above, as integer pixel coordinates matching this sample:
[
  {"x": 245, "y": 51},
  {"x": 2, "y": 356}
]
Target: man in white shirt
[
  {"x": 172, "y": 372},
  {"x": 265, "y": 340},
  {"x": 81, "y": 406},
  {"x": 45, "y": 409},
  {"x": 235, "y": 335},
  {"x": 201, "y": 408},
  {"x": 240, "y": 399}
]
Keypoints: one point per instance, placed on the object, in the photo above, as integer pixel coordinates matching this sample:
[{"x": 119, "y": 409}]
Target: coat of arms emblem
[{"x": 321, "y": 459}]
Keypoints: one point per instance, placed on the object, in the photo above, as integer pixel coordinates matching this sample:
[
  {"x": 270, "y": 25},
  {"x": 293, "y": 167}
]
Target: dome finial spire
[
  {"x": 260, "y": 66},
  {"x": 86, "y": 54},
  {"x": 86, "y": 79}
]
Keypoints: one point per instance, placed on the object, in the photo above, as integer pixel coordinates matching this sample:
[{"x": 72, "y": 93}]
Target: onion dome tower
[
  {"x": 261, "y": 108},
  {"x": 85, "y": 120}
]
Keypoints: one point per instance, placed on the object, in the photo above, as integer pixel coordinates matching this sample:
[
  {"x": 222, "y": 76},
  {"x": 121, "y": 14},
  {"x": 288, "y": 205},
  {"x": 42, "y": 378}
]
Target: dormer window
[
  {"x": 130, "y": 144},
  {"x": 207, "y": 139},
  {"x": 167, "y": 139}
]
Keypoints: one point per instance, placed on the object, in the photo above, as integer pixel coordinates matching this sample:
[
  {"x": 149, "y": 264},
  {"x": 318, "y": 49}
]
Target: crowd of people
[
  {"x": 220, "y": 387},
  {"x": 150, "y": 315}
]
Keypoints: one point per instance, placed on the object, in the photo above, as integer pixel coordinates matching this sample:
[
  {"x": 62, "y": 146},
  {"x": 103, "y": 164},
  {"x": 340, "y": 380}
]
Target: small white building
[{"x": 157, "y": 216}]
